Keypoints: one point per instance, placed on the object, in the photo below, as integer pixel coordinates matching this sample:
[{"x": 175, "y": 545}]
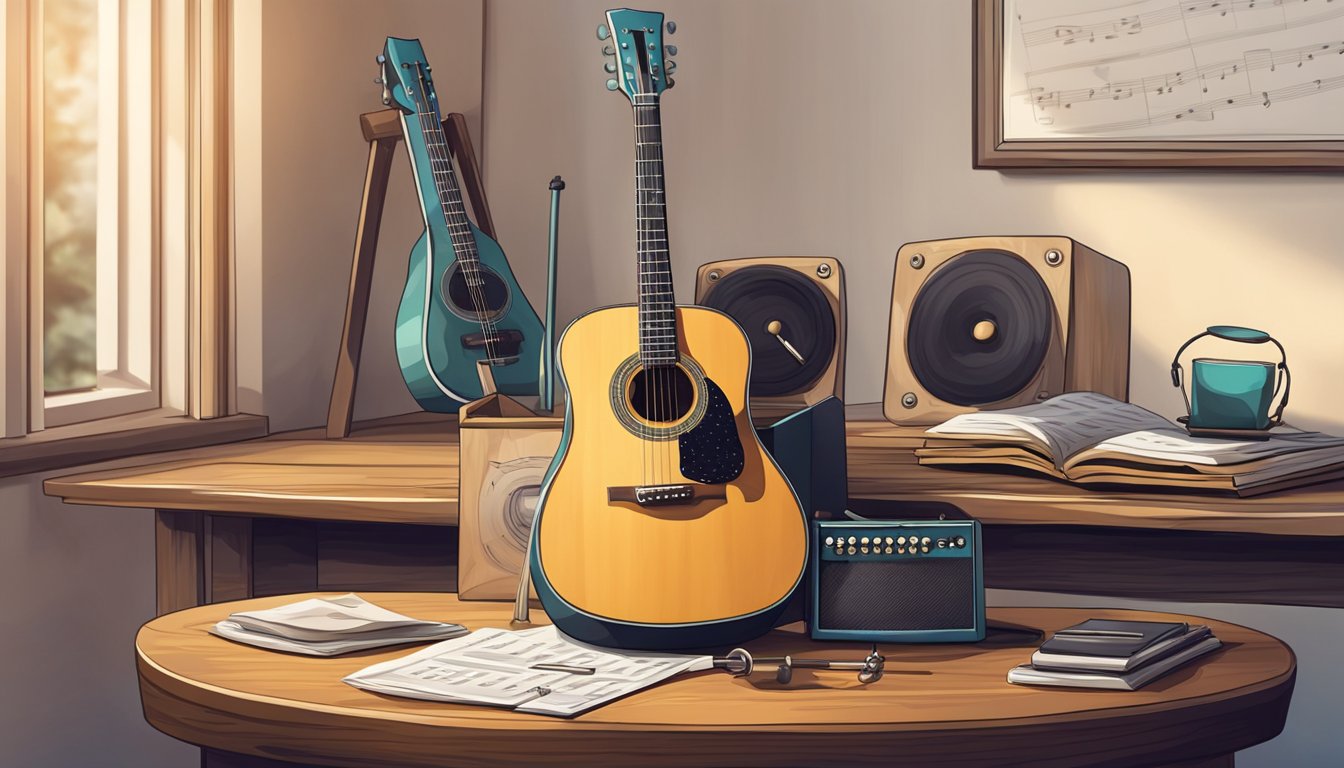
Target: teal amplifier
[{"x": 897, "y": 581}]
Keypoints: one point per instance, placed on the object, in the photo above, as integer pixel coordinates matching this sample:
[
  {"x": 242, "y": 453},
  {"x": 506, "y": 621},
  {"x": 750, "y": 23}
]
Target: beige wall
[
  {"x": 844, "y": 128},
  {"x": 305, "y": 74},
  {"x": 78, "y": 582}
]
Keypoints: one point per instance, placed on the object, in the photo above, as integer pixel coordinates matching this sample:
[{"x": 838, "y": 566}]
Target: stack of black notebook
[{"x": 1119, "y": 655}]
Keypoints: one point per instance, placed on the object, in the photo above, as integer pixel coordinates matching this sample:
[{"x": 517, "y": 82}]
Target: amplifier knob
[
  {"x": 852, "y": 541},
  {"x": 888, "y": 549},
  {"x": 889, "y": 541},
  {"x": 864, "y": 549},
  {"x": 942, "y": 543},
  {"x": 850, "y": 550},
  {"x": 924, "y": 549},
  {"x": 926, "y": 541},
  {"x": 900, "y": 550},
  {"x": 959, "y": 542},
  {"x": 900, "y": 540},
  {"x": 830, "y": 541},
  {"x": 864, "y": 541}
]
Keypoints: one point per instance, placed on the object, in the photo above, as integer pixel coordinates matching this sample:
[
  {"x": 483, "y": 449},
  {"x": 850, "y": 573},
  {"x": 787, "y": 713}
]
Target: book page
[
  {"x": 1177, "y": 446},
  {"x": 1063, "y": 426},
  {"x": 497, "y": 667}
]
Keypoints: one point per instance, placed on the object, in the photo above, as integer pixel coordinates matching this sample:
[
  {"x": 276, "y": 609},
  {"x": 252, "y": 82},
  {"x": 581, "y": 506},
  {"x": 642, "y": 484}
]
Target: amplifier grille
[{"x": 935, "y": 593}]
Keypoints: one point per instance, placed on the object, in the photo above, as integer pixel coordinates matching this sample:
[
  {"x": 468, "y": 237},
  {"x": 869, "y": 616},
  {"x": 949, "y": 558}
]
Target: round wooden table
[{"x": 944, "y": 705}]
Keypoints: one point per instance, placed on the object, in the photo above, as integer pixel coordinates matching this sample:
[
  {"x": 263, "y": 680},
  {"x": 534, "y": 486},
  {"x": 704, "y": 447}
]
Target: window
[
  {"x": 115, "y": 248},
  {"x": 97, "y": 252}
]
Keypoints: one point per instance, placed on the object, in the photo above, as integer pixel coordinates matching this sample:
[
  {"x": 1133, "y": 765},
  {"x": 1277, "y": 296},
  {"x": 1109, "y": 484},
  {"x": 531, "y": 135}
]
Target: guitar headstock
[
  {"x": 407, "y": 78},
  {"x": 638, "y": 63}
]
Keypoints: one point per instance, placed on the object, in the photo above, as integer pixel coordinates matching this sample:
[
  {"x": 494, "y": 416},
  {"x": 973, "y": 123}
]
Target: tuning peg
[
  {"x": 671, "y": 82},
  {"x": 609, "y": 66},
  {"x": 607, "y": 50},
  {"x": 671, "y": 27},
  {"x": 602, "y": 32},
  {"x": 670, "y": 50},
  {"x": 380, "y": 58},
  {"x": 612, "y": 84},
  {"x": 671, "y": 67}
]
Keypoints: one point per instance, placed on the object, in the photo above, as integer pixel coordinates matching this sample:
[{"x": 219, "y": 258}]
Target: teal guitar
[{"x": 462, "y": 306}]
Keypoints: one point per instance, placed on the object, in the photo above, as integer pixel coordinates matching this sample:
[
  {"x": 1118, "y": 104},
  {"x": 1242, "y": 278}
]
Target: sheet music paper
[
  {"x": 1174, "y": 69},
  {"x": 495, "y": 667}
]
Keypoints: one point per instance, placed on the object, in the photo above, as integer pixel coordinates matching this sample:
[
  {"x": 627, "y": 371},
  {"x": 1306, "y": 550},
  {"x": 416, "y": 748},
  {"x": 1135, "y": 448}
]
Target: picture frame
[{"x": 993, "y": 150}]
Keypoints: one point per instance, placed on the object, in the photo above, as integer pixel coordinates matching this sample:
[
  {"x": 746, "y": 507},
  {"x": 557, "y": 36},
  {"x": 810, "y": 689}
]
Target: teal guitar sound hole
[{"x": 484, "y": 298}]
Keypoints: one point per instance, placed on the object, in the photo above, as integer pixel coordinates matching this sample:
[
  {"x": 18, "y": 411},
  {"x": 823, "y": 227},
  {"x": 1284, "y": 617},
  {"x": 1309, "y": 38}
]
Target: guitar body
[
  {"x": 439, "y": 370},
  {"x": 713, "y": 571},
  {"x": 461, "y": 304}
]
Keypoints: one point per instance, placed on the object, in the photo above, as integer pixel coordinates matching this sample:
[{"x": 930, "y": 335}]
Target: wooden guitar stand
[{"x": 383, "y": 130}]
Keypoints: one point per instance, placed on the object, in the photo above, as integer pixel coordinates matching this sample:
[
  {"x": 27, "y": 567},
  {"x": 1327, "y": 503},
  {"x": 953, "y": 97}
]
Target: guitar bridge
[
  {"x": 664, "y": 495},
  {"x": 503, "y": 344}
]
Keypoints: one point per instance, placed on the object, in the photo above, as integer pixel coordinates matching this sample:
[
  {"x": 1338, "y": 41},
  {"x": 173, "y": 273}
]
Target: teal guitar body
[{"x": 462, "y": 306}]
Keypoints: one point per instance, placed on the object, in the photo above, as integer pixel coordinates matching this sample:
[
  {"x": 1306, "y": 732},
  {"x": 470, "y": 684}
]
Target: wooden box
[{"x": 506, "y": 449}]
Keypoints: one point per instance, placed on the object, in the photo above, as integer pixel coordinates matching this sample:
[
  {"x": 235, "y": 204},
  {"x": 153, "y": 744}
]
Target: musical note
[{"x": 1164, "y": 62}]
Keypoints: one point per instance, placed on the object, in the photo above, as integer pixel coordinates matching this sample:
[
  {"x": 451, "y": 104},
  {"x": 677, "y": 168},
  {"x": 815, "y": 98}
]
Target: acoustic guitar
[
  {"x": 461, "y": 307},
  {"x": 662, "y": 522}
]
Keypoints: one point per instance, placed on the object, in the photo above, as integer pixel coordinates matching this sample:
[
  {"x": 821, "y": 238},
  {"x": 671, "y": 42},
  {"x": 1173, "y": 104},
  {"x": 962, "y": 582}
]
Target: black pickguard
[{"x": 711, "y": 453}]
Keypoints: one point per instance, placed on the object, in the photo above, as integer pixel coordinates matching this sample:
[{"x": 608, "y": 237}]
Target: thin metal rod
[{"x": 547, "y": 373}]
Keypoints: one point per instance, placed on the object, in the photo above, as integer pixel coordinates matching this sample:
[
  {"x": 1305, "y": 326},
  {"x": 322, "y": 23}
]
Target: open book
[{"x": 1089, "y": 438}]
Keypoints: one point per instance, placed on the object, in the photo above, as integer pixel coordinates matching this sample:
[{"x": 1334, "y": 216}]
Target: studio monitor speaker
[
  {"x": 983, "y": 323},
  {"x": 793, "y": 312}
]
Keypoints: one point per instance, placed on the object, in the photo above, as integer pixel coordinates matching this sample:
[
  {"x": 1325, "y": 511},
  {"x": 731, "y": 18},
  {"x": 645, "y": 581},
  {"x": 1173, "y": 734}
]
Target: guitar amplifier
[{"x": 897, "y": 581}]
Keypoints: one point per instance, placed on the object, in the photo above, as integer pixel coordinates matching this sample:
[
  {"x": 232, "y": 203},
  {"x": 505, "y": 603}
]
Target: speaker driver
[
  {"x": 980, "y": 328},
  {"x": 782, "y": 312}
]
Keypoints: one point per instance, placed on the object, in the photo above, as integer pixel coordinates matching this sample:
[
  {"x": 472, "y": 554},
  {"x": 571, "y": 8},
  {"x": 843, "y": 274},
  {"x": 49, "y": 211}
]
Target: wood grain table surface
[
  {"x": 404, "y": 469},
  {"x": 941, "y": 705}
]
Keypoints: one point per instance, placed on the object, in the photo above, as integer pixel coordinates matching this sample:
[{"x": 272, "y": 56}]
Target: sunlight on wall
[{"x": 1200, "y": 255}]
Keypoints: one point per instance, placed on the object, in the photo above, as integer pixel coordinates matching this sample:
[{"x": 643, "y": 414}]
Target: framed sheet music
[{"x": 1235, "y": 84}]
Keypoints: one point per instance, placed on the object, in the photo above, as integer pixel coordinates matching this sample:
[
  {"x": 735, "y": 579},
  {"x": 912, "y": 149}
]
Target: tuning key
[
  {"x": 607, "y": 50},
  {"x": 380, "y": 58},
  {"x": 610, "y": 66},
  {"x": 612, "y": 84},
  {"x": 671, "y": 27},
  {"x": 671, "y": 67},
  {"x": 670, "y": 50},
  {"x": 602, "y": 32},
  {"x": 671, "y": 82}
]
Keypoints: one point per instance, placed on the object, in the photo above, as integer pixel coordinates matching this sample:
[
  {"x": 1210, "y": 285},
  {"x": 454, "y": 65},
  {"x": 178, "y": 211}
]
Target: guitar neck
[
  {"x": 657, "y": 303},
  {"x": 445, "y": 179}
]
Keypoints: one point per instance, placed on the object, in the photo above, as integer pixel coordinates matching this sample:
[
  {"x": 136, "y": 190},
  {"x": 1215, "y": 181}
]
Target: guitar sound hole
[
  {"x": 475, "y": 294},
  {"x": 662, "y": 394}
]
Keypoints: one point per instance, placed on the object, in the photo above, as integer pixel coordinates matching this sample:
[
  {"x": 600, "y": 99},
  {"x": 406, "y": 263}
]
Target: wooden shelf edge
[{"x": 122, "y": 437}]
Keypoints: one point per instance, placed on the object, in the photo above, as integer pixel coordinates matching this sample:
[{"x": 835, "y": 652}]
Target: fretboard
[
  {"x": 450, "y": 195},
  {"x": 445, "y": 181},
  {"x": 657, "y": 304}
]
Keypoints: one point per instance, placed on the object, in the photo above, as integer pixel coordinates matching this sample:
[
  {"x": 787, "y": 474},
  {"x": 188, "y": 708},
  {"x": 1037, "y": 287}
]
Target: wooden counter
[
  {"x": 938, "y": 705},
  {"x": 297, "y": 512}
]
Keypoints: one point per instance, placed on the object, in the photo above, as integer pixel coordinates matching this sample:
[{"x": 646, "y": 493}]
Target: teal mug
[{"x": 1234, "y": 394}]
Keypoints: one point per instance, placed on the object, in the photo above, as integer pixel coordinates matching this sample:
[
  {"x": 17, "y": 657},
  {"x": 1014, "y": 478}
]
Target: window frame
[{"x": 186, "y": 367}]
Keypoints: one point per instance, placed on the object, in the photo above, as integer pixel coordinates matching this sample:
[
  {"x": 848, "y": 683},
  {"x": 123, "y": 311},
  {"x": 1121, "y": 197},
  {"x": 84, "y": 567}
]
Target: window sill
[{"x": 121, "y": 436}]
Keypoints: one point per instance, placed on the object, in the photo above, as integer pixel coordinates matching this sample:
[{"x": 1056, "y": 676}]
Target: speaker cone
[
  {"x": 775, "y": 305},
  {"x": 980, "y": 328}
]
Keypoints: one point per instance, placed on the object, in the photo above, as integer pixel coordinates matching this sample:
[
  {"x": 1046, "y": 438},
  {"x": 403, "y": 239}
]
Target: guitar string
[
  {"x": 663, "y": 375},
  {"x": 465, "y": 250},
  {"x": 460, "y": 230},
  {"x": 463, "y": 241},
  {"x": 469, "y": 277},
  {"x": 646, "y": 311}
]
